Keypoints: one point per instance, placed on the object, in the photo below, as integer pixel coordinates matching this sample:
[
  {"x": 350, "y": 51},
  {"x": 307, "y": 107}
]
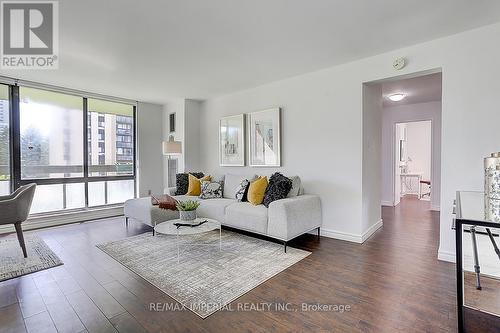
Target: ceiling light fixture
[{"x": 397, "y": 97}]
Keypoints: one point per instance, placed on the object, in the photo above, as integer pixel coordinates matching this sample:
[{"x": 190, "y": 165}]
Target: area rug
[
  {"x": 13, "y": 263},
  {"x": 203, "y": 278}
]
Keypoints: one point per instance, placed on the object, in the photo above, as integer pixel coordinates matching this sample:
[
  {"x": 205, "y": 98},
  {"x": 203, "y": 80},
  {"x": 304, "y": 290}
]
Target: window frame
[{"x": 15, "y": 148}]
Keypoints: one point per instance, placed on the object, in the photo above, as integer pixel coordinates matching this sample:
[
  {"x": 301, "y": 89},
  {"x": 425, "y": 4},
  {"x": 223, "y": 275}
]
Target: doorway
[
  {"x": 406, "y": 99},
  {"x": 411, "y": 140},
  {"x": 413, "y": 157}
]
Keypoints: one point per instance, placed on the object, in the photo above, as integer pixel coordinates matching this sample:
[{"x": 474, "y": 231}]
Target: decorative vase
[
  {"x": 187, "y": 215},
  {"x": 492, "y": 187}
]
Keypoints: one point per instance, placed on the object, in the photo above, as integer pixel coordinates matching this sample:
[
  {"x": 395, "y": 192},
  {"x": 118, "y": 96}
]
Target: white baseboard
[
  {"x": 341, "y": 235},
  {"x": 371, "y": 230},
  {"x": 387, "y": 203},
  {"x": 355, "y": 238},
  {"x": 65, "y": 218},
  {"x": 446, "y": 256}
]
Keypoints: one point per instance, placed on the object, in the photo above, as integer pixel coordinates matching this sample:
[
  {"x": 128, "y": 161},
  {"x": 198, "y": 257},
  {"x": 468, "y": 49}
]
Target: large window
[
  {"x": 51, "y": 134},
  {"x": 74, "y": 166},
  {"x": 4, "y": 141},
  {"x": 111, "y": 139}
]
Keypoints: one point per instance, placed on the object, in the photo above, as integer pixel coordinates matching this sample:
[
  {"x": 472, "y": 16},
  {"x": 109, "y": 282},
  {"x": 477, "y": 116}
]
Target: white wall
[
  {"x": 322, "y": 124},
  {"x": 149, "y": 150},
  {"x": 411, "y": 113},
  {"x": 372, "y": 144},
  {"x": 192, "y": 135},
  {"x": 318, "y": 145}
]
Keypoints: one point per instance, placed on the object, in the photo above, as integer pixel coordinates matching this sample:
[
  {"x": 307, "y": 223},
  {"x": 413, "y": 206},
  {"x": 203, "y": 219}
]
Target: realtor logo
[{"x": 30, "y": 35}]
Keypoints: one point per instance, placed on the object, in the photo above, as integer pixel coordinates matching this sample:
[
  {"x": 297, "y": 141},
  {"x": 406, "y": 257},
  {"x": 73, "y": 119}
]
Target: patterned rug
[
  {"x": 12, "y": 262},
  {"x": 201, "y": 277}
]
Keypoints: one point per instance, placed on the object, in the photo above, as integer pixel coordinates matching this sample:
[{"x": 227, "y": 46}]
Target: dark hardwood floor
[{"x": 392, "y": 283}]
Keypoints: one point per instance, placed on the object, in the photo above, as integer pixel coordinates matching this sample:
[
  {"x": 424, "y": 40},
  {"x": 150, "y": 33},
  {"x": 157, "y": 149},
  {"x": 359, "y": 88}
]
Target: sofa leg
[
  {"x": 318, "y": 233},
  {"x": 126, "y": 221},
  {"x": 284, "y": 244},
  {"x": 20, "y": 238}
]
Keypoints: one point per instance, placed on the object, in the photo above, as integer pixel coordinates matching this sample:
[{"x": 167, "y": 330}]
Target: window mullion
[
  {"x": 15, "y": 137},
  {"x": 85, "y": 151}
]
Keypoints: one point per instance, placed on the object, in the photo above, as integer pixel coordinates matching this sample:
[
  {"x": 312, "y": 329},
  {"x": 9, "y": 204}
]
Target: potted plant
[{"x": 187, "y": 209}]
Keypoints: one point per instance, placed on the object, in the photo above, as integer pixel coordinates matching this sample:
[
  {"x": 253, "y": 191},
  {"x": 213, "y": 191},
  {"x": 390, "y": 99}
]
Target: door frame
[{"x": 393, "y": 152}]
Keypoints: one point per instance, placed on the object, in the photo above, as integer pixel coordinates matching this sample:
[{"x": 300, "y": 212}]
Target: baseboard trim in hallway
[
  {"x": 367, "y": 234},
  {"x": 446, "y": 256},
  {"x": 340, "y": 235}
]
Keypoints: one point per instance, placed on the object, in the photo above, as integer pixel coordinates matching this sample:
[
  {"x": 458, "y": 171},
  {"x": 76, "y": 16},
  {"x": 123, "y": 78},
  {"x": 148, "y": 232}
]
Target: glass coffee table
[{"x": 189, "y": 228}]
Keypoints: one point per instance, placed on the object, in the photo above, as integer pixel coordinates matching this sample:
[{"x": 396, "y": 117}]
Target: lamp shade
[{"x": 172, "y": 147}]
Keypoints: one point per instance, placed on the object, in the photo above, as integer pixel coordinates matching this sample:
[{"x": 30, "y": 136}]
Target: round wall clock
[{"x": 399, "y": 63}]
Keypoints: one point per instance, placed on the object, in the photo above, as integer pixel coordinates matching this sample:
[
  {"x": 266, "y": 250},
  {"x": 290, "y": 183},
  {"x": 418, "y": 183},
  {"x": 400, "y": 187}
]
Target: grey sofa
[{"x": 284, "y": 220}]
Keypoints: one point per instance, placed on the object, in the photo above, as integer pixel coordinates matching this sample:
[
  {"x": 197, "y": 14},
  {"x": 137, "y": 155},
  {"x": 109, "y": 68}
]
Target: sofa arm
[
  {"x": 170, "y": 190},
  {"x": 291, "y": 217}
]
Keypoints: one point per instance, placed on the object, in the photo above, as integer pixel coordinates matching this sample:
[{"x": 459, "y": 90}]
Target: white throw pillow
[
  {"x": 211, "y": 190},
  {"x": 232, "y": 184}
]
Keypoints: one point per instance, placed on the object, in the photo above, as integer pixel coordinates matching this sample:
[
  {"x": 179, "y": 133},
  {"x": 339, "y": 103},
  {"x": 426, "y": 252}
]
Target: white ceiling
[
  {"x": 422, "y": 89},
  {"x": 153, "y": 50}
]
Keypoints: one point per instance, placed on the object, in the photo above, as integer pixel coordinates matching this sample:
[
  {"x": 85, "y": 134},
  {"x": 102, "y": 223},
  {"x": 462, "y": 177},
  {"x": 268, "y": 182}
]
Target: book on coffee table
[{"x": 179, "y": 224}]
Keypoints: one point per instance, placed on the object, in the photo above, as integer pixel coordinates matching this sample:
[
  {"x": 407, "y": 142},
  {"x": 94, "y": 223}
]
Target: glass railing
[
  {"x": 61, "y": 197},
  {"x": 4, "y": 187},
  {"x": 68, "y": 171},
  {"x": 478, "y": 263}
]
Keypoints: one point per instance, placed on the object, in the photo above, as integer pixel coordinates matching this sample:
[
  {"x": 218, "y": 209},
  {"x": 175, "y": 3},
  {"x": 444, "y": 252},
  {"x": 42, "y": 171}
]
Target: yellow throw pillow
[
  {"x": 256, "y": 191},
  {"x": 194, "y": 187}
]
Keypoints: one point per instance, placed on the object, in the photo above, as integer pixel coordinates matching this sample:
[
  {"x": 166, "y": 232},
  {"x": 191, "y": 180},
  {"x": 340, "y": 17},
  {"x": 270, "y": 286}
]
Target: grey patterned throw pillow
[
  {"x": 242, "y": 190},
  {"x": 211, "y": 190}
]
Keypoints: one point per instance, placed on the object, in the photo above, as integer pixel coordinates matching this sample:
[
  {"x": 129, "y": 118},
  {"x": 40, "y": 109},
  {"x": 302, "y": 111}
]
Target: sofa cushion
[
  {"x": 278, "y": 188},
  {"x": 242, "y": 192},
  {"x": 182, "y": 181},
  {"x": 256, "y": 190},
  {"x": 245, "y": 216},
  {"x": 194, "y": 187},
  {"x": 209, "y": 208},
  {"x": 214, "y": 208},
  {"x": 211, "y": 190},
  {"x": 143, "y": 211},
  {"x": 296, "y": 183},
  {"x": 232, "y": 184}
]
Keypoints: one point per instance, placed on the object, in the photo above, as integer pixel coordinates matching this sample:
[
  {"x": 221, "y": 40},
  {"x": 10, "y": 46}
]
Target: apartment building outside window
[{"x": 74, "y": 166}]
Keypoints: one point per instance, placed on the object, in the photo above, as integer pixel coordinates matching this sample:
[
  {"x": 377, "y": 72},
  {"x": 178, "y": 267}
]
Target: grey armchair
[{"x": 14, "y": 209}]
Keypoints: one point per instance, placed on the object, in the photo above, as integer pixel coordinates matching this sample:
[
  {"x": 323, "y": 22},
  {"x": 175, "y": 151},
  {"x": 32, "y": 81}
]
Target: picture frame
[
  {"x": 232, "y": 141},
  {"x": 264, "y": 138},
  {"x": 171, "y": 122}
]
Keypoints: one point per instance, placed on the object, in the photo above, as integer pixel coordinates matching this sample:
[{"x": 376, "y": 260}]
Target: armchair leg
[
  {"x": 126, "y": 221},
  {"x": 20, "y": 238}
]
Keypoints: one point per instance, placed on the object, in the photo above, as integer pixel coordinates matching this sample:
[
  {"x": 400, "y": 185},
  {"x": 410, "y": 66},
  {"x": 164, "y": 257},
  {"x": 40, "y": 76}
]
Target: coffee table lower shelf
[{"x": 169, "y": 228}]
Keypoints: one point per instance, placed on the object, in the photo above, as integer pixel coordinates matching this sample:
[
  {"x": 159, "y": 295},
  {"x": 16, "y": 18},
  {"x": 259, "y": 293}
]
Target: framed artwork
[
  {"x": 264, "y": 138},
  {"x": 232, "y": 141},
  {"x": 171, "y": 122}
]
